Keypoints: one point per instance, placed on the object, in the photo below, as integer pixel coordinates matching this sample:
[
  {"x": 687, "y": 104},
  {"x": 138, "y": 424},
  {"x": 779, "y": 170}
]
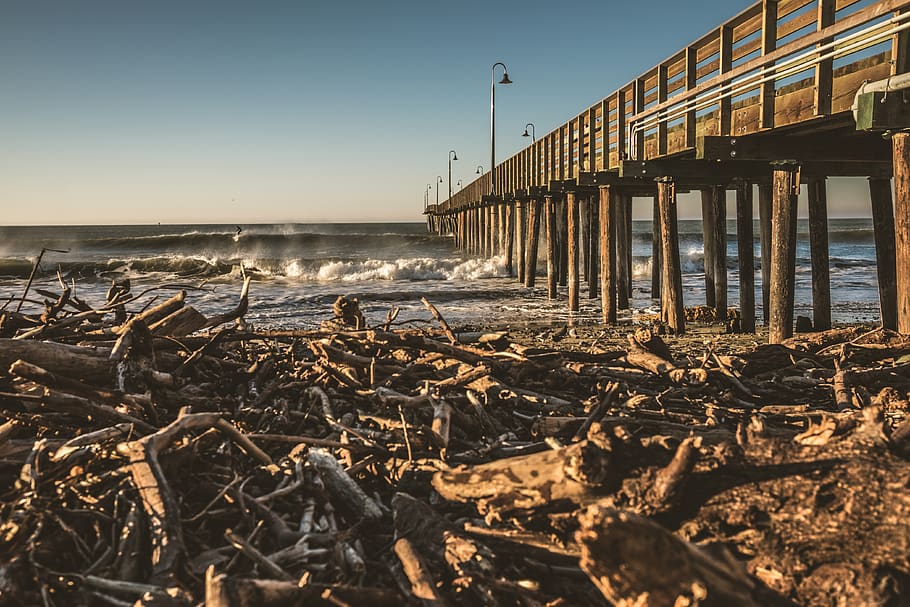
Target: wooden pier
[{"x": 785, "y": 94}]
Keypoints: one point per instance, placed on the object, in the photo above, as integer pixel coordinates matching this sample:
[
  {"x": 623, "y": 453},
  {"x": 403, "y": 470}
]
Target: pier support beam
[
  {"x": 655, "y": 250},
  {"x": 719, "y": 228},
  {"x": 707, "y": 226},
  {"x": 520, "y": 234},
  {"x": 671, "y": 308},
  {"x": 552, "y": 251},
  {"x": 593, "y": 234},
  {"x": 623, "y": 249},
  {"x": 818, "y": 245},
  {"x": 765, "y": 209},
  {"x": 785, "y": 186},
  {"x": 746, "y": 255},
  {"x": 534, "y": 212},
  {"x": 562, "y": 229},
  {"x": 572, "y": 250},
  {"x": 883, "y": 226},
  {"x": 607, "y": 255},
  {"x": 901, "y": 150},
  {"x": 508, "y": 221}
]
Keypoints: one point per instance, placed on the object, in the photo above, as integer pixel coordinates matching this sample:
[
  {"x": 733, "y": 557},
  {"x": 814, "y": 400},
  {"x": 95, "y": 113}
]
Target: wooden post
[
  {"x": 508, "y": 210},
  {"x": 607, "y": 256},
  {"x": 584, "y": 244},
  {"x": 489, "y": 250},
  {"x": 901, "y": 156},
  {"x": 534, "y": 211},
  {"x": 785, "y": 186},
  {"x": 622, "y": 251},
  {"x": 520, "y": 234},
  {"x": 562, "y": 222},
  {"x": 627, "y": 205},
  {"x": 655, "y": 250},
  {"x": 593, "y": 233},
  {"x": 818, "y": 245},
  {"x": 746, "y": 254},
  {"x": 719, "y": 212},
  {"x": 765, "y": 207},
  {"x": 672, "y": 298},
  {"x": 503, "y": 221},
  {"x": 572, "y": 249},
  {"x": 551, "y": 247},
  {"x": 883, "y": 226},
  {"x": 707, "y": 218}
]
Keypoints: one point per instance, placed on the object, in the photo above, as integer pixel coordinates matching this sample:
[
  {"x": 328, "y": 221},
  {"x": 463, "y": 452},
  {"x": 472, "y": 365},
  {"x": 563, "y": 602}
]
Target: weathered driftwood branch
[{"x": 634, "y": 561}]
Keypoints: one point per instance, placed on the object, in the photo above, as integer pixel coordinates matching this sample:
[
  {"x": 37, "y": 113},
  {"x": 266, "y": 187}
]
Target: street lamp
[
  {"x": 459, "y": 185},
  {"x": 479, "y": 169},
  {"x": 437, "y": 189},
  {"x": 505, "y": 80},
  {"x": 426, "y": 196},
  {"x": 452, "y": 156},
  {"x": 532, "y": 136}
]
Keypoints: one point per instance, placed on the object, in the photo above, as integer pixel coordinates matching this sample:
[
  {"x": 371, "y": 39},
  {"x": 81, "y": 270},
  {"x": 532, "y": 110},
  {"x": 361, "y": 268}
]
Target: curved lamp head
[
  {"x": 478, "y": 170},
  {"x": 440, "y": 178},
  {"x": 454, "y": 155},
  {"x": 526, "y": 134},
  {"x": 505, "y": 78}
]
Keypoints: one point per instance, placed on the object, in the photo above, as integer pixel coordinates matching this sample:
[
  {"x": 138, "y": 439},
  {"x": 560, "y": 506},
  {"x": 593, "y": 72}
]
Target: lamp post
[
  {"x": 426, "y": 197},
  {"x": 452, "y": 156},
  {"x": 505, "y": 80},
  {"x": 532, "y": 135},
  {"x": 459, "y": 185},
  {"x": 479, "y": 170},
  {"x": 439, "y": 177}
]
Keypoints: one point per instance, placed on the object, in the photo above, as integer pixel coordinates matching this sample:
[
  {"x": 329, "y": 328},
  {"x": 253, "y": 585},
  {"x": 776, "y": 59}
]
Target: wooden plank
[
  {"x": 661, "y": 97},
  {"x": 824, "y": 71},
  {"x": 691, "y": 118},
  {"x": 834, "y": 147},
  {"x": 783, "y": 251},
  {"x": 883, "y": 227},
  {"x": 726, "y": 64}
]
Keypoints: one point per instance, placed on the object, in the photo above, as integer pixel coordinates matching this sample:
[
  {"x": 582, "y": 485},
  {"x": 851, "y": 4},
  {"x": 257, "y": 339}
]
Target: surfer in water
[{"x": 237, "y": 234}]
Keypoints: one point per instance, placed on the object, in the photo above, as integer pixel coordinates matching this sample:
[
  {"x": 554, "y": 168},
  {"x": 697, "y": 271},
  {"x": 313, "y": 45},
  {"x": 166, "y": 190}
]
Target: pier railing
[{"x": 777, "y": 64}]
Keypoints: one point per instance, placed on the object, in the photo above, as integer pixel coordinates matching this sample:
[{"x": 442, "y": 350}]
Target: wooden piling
[
  {"x": 607, "y": 256},
  {"x": 584, "y": 243},
  {"x": 785, "y": 186},
  {"x": 900, "y": 143},
  {"x": 707, "y": 218},
  {"x": 765, "y": 209},
  {"x": 534, "y": 211},
  {"x": 655, "y": 250},
  {"x": 508, "y": 214},
  {"x": 719, "y": 237},
  {"x": 672, "y": 310},
  {"x": 818, "y": 245},
  {"x": 623, "y": 250},
  {"x": 883, "y": 227},
  {"x": 746, "y": 256},
  {"x": 562, "y": 227},
  {"x": 627, "y": 205},
  {"x": 520, "y": 234},
  {"x": 594, "y": 235},
  {"x": 572, "y": 250},
  {"x": 552, "y": 252}
]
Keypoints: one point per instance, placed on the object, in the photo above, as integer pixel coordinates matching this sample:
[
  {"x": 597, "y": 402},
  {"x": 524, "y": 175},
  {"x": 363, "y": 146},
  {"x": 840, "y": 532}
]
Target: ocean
[{"x": 299, "y": 269}]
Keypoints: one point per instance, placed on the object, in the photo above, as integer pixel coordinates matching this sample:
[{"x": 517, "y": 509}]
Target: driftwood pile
[{"x": 145, "y": 463}]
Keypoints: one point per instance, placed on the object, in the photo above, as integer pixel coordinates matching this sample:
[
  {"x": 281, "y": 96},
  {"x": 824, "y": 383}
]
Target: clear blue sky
[{"x": 145, "y": 112}]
